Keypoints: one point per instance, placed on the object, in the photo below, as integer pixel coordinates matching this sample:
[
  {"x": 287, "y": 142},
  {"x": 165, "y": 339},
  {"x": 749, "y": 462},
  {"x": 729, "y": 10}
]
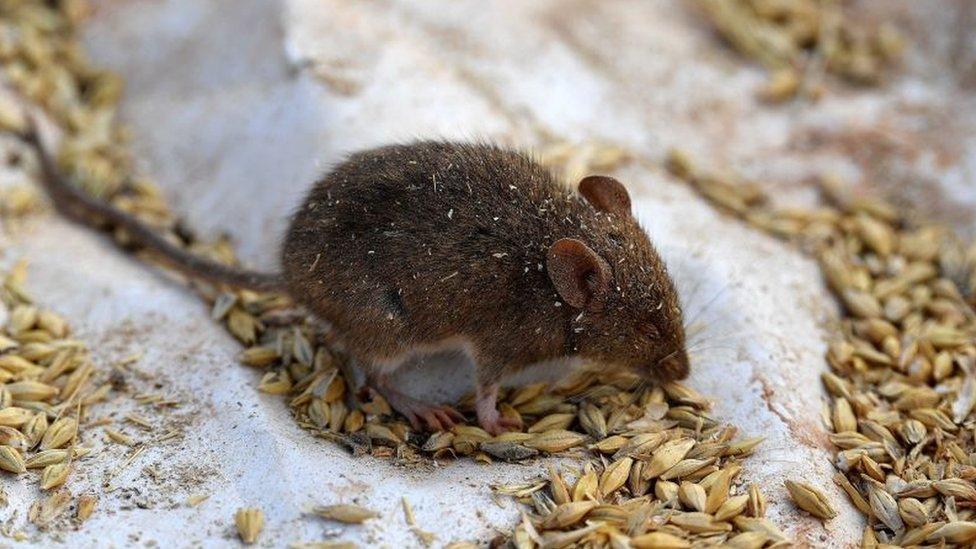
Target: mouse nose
[{"x": 673, "y": 367}]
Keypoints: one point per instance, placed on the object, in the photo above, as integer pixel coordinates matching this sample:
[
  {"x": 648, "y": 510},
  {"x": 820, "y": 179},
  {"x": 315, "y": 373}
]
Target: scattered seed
[
  {"x": 347, "y": 513},
  {"x": 810, "y": 499},
  {"x": 249, "y": 522}
]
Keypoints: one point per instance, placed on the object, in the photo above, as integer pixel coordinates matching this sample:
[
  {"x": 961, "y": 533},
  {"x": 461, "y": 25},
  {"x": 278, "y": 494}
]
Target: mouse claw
[
  {"x": 420, "y": 414},
  {"x": 500, "y": 425},
  {"x": 434, "y": 417},
  {"x": 494, "y": 423},
  {"x": 488, "y": 416}
]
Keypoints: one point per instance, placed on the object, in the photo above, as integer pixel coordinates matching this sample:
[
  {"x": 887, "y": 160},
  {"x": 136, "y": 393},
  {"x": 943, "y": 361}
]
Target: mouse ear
[
  {"x": 605, "y": 194},
  {"x": 581, "y": 277}
]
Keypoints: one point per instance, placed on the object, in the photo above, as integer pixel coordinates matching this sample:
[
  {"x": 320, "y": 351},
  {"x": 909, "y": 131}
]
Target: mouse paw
[
  {"x": 496, "y": 424},
  {"x": 433, "y": 417}
]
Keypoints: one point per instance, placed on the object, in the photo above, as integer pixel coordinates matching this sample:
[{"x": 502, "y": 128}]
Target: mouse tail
[{"x": 79, "y": 206}]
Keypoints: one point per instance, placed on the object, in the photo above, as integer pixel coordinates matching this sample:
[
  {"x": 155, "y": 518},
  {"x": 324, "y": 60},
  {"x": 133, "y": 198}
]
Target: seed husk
[
  {"x": 61, "y": 432},
  {"x": 592, "y": 421},
  {"x": 13, "y": 438},
  {"x": 119, "y": 437},
  {"x": 345, "y": 512},
  {"x": 744, "y": 447},
  {"x": 556, "y": 440},
  {"x": 276, "y": 383},
  {"x": 615, "y": 475},
  {"x": 46, "y": 458},
  {"x": 699, "y": 523},
  {"x": 885, "y": 508},
  {"x": 55, "y": 475},
  {"x": 610, "y": 445},
  {"x": 35, "y": 429},
  {"x": 718, "y": 492},
  {"x": 556, "y": 540},
  {"x": 552, "y": 422},
  {"x": 14, "y": 416},
  {"x": 913, "y": 512},
  {"x": 856, "y": 498},
  {"x": 810, "y": 500},
  {"x": 748, "y": 524},
  {"x": 587, "y": 486},
  {"x": 560, "y": 491},
  {"x": 568, "y": 514},
  {"x": 259, "y": 356},
  {"x": 733, "y": 507},
  {"x": 686, "y": 467},
  {"x": 249, "y": 522},
  {"x": 11, "y": 460},
  {"x": 438, "y": 441},
  {"x": 957, "y": 488},
  {"x": 844, "y": 419},
  {"x": 914, "y": 536},
  {"x": 748, "y": 540},
  {"x": 692, "y": 496},
  {"x": 757, "y": 502},
  {"x": 509, "y": 451},
  {"x": 31, "y": 390},
  {"x": 45, "y": 511},
  {"x": 85, "y": 507},
  {"x": 659, "y": 540},
  {"x": 667, "y": 456},
  {"x": 641, "y": 444},
  {"x": 666, "y": 490},
  {"x": 955, "y": 532}
]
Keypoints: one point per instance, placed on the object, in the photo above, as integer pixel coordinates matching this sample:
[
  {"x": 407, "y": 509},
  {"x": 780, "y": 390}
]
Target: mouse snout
[{"x": 673, "y": 367}]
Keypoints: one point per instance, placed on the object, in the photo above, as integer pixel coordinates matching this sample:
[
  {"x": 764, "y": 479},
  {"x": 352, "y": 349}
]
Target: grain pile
[
  {"x": 43, "y": 61},
  {"x": 799, "y": 40},
  {"x": 902, "y": 378},
  {"x": 660, "y": 472},
  {"x": 47, "y": 384}
]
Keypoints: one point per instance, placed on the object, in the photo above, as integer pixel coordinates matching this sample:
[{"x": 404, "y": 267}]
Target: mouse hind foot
[
  {"x": 435, "y": 417},
  {"x": 486, "y": 406}
]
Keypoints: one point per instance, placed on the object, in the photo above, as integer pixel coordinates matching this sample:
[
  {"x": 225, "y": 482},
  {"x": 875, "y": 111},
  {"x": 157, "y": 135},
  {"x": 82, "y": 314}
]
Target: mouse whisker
[
  {"x": 666, "y": 357},
  {"x": 692, "y": 293},
  {"x": 720, "y": 339},
  {"x": 702, "y": 331},
  {"x": 707, "y": 352},
  {"x": 704, "y": 308}
]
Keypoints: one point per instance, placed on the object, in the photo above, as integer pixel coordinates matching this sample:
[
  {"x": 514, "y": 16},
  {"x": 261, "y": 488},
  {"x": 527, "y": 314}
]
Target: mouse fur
[{"x": 413, "y": 248}]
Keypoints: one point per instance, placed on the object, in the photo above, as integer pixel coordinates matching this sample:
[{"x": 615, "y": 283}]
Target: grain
[
  {"x": 902, "y": 368},
  {"x": 45, "y": 383},
  {"x": 800, "y": 40},
  {"x": 810, "y": 499},
  {"x": 85, "y": 506},
  {"x": 659, "y": 540},
  {"x": 347, "y": 513},
  {"x": 249, "y": 522},
  {"x": 11, "y": 460}
]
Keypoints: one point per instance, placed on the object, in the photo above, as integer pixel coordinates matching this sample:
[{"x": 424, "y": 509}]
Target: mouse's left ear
[
  {"x": 605, "y": 194},
  {"x": 580, "y": 275}
]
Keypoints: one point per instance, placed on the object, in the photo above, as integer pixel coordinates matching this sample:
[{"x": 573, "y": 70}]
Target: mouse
[{"x": 415, "y": 248}]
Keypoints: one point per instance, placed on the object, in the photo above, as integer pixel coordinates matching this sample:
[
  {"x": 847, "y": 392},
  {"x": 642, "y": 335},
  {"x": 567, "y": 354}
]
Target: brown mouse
[{"x": 409, "y": 249}]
